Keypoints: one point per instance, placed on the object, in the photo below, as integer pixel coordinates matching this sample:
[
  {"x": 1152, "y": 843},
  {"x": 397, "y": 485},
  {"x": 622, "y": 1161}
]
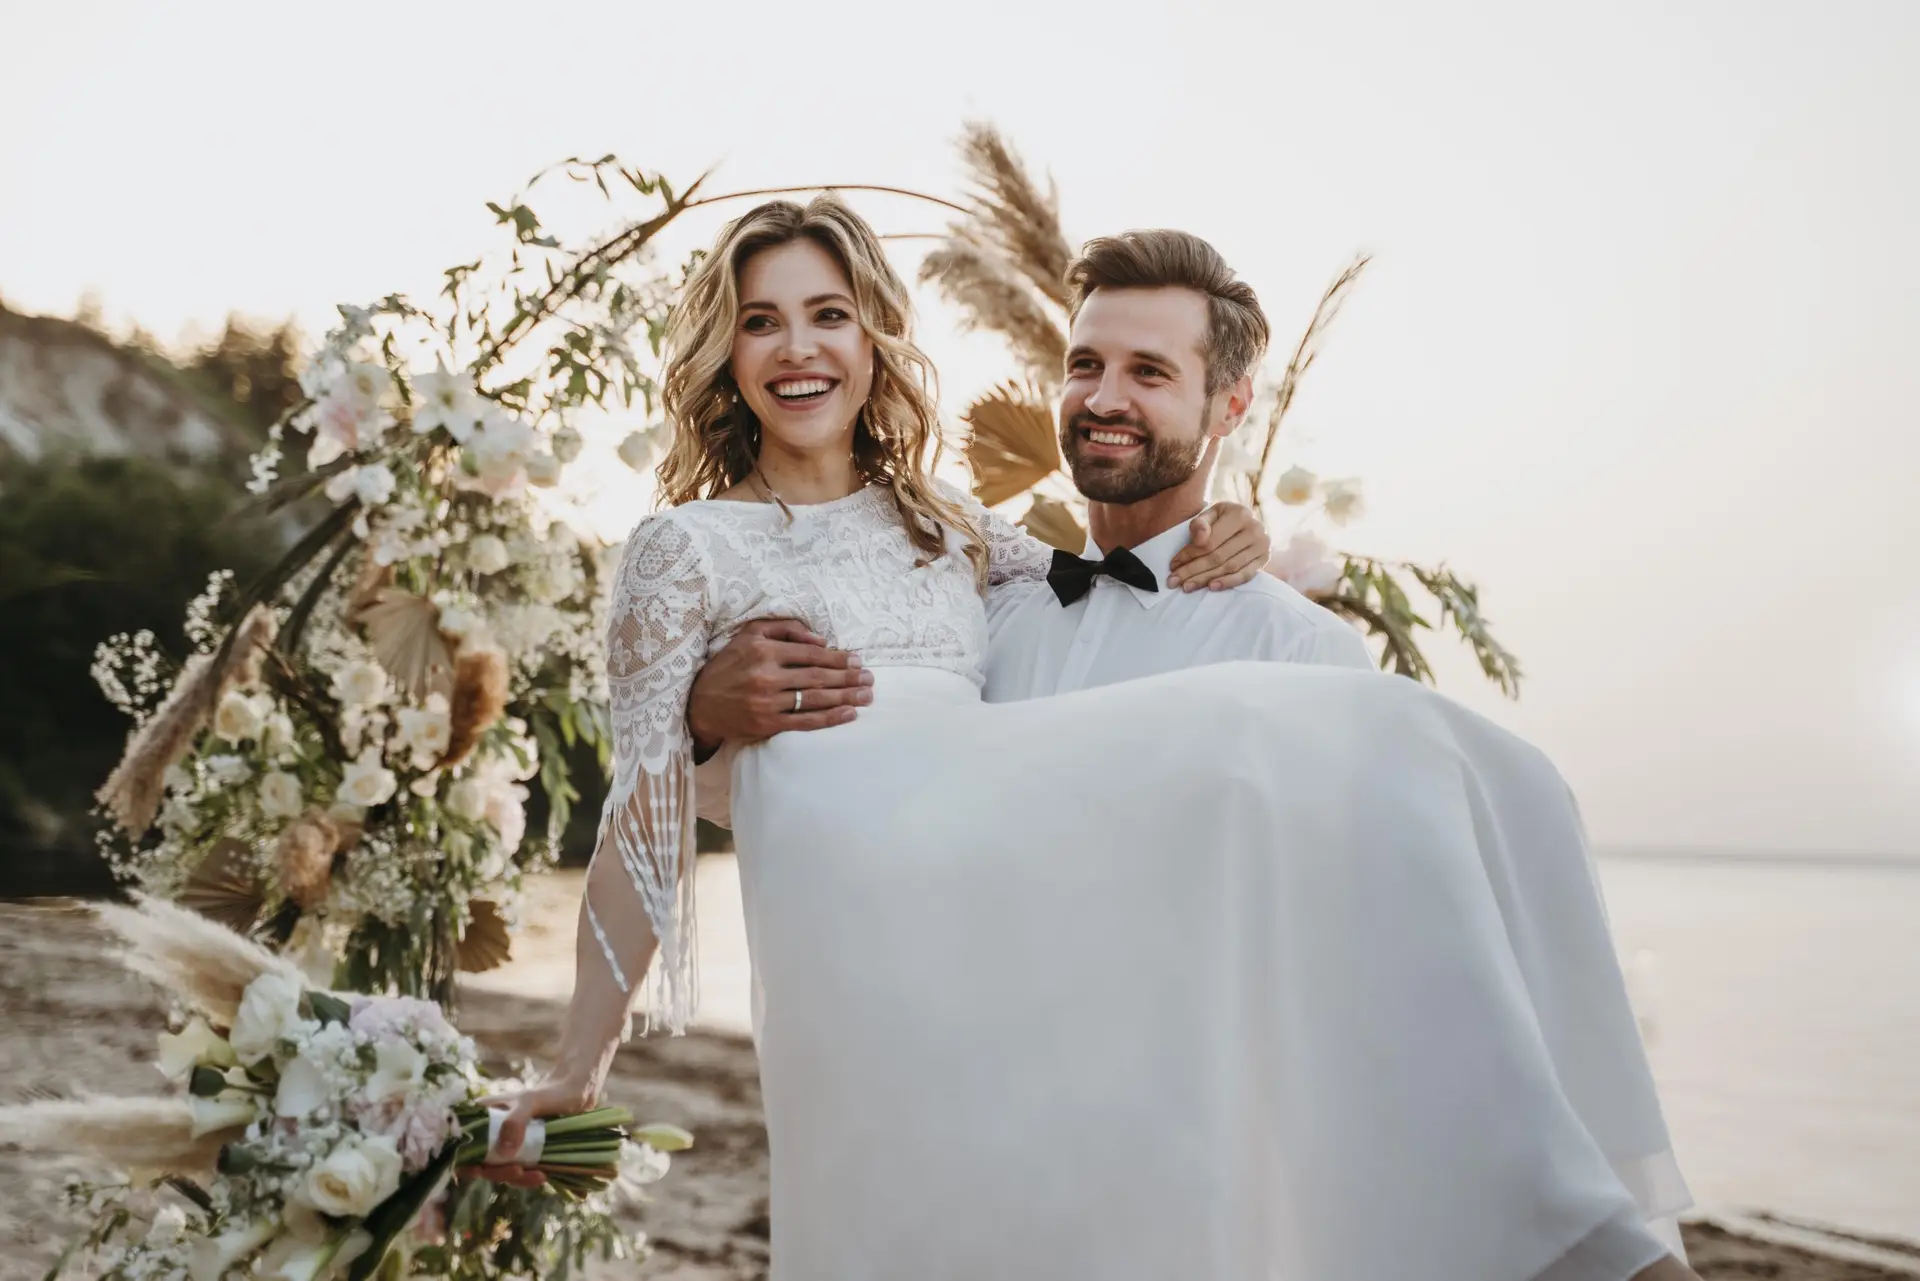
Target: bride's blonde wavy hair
[{"x": 896, "y": 438}]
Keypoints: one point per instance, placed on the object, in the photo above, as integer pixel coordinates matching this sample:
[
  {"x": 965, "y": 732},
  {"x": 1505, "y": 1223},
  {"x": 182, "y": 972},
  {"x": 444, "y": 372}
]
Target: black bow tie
[{"x": 1071, "y": 577}]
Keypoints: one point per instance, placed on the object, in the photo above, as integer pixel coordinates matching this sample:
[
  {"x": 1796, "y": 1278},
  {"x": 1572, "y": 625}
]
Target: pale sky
[{"x": 1636, "y": 353}]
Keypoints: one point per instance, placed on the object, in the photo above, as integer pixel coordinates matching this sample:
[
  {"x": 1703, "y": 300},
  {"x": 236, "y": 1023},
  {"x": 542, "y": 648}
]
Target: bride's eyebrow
[{"x": 815, "y": 301}]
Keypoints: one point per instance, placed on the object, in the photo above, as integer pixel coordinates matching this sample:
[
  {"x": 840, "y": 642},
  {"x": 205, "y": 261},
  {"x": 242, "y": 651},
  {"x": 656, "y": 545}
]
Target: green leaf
[
  {"x": 328, "y": 1008},
  {"x": 206, "y": 1082}
]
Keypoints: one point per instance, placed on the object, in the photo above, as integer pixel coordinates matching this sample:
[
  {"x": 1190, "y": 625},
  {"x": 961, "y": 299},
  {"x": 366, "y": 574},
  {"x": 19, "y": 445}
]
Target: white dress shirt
[{"x": 1117, "y": 632}]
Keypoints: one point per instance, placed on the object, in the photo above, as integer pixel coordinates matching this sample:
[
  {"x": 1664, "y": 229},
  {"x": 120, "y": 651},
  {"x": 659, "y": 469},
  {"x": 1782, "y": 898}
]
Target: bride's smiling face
[{"x": 801, "y": 359}]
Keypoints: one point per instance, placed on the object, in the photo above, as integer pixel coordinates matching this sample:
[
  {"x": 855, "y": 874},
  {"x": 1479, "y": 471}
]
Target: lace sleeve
[
  {"x": 642, "y": 862},
  {"x": 1013, "y": 555}
]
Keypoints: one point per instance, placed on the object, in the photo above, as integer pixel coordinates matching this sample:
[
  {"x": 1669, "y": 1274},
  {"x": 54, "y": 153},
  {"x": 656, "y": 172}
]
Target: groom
[
  {"x": 1159, "y": 365},
  {"x": 1159, "y": 370}
]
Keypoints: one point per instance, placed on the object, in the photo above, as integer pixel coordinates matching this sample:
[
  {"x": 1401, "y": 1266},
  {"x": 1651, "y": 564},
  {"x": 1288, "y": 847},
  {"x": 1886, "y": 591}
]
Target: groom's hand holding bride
[{"x": 746, "y": 692}]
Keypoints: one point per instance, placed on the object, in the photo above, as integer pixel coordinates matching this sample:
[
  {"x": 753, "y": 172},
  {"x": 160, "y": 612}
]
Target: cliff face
[{"x": 66, "y": 388}]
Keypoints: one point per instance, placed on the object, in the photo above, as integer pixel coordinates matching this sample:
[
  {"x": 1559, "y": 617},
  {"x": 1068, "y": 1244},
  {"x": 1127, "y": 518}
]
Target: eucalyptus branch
[
  {"x": 824, "y": 186},
  {"x": 1303, "y": 357},
  {"x": 588, "y": 268}
]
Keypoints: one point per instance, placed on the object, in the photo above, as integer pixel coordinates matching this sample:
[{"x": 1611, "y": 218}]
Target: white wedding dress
[{"x": 1251, "y": 971}]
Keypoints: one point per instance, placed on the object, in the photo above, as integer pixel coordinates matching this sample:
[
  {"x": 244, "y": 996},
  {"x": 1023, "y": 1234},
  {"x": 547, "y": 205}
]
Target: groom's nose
[{"x": 1109, "y": 398}]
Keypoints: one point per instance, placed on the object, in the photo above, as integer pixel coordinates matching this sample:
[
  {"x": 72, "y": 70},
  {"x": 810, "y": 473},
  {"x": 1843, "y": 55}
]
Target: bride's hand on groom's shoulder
[
  {"x": 1227, "y": 546},
  {"x": 746, "y": 692}
]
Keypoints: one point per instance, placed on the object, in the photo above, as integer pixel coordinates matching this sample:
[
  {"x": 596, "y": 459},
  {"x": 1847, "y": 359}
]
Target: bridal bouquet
[{"x": 318, "y": 1132}]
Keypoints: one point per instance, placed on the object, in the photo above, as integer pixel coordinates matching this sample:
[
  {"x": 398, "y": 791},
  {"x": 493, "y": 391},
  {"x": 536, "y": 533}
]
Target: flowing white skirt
[{"x": 1250, "y": 971}]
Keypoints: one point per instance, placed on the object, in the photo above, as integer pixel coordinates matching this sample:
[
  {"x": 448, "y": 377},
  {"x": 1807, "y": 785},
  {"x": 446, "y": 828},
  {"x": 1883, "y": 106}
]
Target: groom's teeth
[{"x": 1110, "y": 438}]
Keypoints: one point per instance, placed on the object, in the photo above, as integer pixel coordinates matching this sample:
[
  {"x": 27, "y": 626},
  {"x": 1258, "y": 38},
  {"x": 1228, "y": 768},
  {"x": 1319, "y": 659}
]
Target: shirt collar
[{"x": 1156, "y": 554}]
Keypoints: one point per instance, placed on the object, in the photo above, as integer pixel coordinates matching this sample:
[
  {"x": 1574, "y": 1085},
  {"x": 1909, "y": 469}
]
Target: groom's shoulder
[{"x": 1268, "y": 597}]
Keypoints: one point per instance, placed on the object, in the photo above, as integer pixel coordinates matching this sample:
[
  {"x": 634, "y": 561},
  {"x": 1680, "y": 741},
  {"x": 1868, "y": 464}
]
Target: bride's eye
[
  {"x": 832, "y": 316},
  {"x": 757, "y": 324}
]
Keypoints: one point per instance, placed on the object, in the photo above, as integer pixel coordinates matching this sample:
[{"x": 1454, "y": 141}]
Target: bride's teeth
[{"x": 795, "y": 390}]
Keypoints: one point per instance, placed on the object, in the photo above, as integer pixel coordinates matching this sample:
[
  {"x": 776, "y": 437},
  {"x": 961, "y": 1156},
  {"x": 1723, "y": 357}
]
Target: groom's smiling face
[{"x": 1135, "y": 416}]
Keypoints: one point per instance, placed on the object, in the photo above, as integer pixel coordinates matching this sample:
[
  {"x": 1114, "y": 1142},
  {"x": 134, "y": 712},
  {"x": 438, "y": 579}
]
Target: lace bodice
[{"x": 691, "y": 577}]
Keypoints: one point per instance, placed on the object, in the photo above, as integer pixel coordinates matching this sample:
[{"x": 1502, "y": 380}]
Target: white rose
[
  {"x": 276, "y": 736},
  {"x": 355, "y": 1178},
  {"x": 240, "y": 717},
  {"x": 279, "y": 795},
  {"x": 508, "y": 814},
  {"x": 367, "y": 782},
  {"x": 1344, "y": 502},
  {"x": 1295, "y": 487},
  {"x": 543, "y": 470},
  {"x": 360, "y": 684},
  {"x": 192, "y": 1045},
  {"x": 554, "y": 581},
  {"x": 427, "y": 730},
  {"x": 640, "y": 450},
  {"x": 227, "y": 770},
  {"x": 487, "y": 554},
  {"x": 457, "y": 622},
  {"x": 467, "y": 799},
  {"x": 269, "y": 1011},
  {"x": 169, "y": 1226}
]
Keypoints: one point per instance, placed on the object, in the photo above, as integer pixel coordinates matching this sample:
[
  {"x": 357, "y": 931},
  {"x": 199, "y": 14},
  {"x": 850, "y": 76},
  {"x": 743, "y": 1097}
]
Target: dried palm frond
[
  {"x": 1011, "y": 444},
  {"x": 1304, "y": 355},
  {"x": 486, "y": 943},
  {"x": 1012, "y": 214},
  {"x": 203, "y": 963},
  {"x": 479, "y": 699},
  {"x": 304, "y": 854},
  {"x": 403, "y": 631},
  {"x": 143, "y": 1134},
  {"x": 980, "y": 281},
  {"x": 132, "y": 792},
  {"x": 225, "y": 886},
  {"x": 1053, "y": 522}
]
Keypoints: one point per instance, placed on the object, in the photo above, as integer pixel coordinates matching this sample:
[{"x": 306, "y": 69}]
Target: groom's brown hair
[{"x": 1237, "y": 329}]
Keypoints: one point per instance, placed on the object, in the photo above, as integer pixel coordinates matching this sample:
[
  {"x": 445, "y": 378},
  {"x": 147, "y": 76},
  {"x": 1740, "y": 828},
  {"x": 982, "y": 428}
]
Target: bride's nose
[{"x": 799, "y": 345}]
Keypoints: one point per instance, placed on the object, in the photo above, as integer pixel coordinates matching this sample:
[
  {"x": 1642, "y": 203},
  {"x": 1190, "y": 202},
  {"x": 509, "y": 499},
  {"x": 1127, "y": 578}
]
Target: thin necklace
[{"x": 767, "y": 491}]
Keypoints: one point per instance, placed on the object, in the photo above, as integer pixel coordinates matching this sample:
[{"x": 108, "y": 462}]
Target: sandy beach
[{"x": 75, "y": 1021}]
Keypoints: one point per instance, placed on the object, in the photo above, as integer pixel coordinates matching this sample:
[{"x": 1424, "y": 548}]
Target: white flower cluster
[
  {"x": 327, "y": 1108},
  {"x": 202, "y": 631},
  {"x": 126, "y": 667}
]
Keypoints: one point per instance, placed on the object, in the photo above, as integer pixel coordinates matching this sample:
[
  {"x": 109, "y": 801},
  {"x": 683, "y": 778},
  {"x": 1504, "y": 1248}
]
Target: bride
[{"x": 1206, "y": 975}]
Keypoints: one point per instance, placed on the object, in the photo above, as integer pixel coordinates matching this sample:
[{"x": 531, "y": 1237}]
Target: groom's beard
[{"x": 1160, "y": 463}]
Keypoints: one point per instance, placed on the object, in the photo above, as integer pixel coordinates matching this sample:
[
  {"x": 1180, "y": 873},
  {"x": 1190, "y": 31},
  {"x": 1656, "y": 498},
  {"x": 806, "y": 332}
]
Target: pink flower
[
  {"x": 1307, "y": 565},
  {"x": 381, "y": 1018}
]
